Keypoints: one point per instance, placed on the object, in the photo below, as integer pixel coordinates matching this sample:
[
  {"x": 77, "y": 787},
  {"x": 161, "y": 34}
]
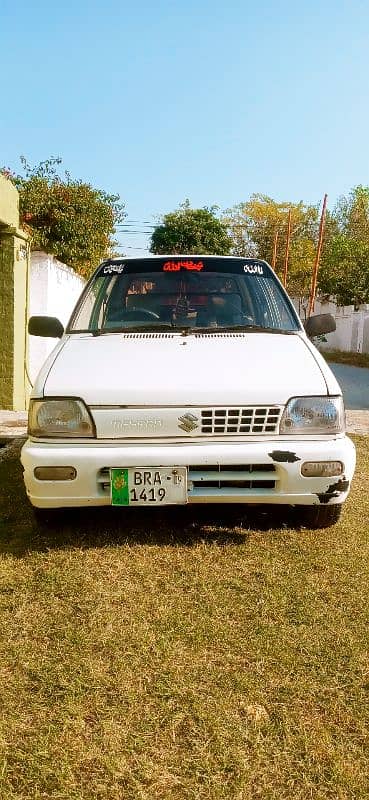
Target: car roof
[{"x": 119, "y": 259}]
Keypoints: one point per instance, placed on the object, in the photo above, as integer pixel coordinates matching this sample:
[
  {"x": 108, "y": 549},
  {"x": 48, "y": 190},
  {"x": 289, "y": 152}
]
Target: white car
[{"x": 187, "y": 379}]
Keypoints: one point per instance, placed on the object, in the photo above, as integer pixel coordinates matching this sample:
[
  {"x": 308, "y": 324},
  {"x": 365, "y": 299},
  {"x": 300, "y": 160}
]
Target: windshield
[{"x": 186, "y": 293}]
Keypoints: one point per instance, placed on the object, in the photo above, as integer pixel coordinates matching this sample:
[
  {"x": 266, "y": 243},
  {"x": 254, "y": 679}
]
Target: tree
[
  {"x": 65, "y": 216},
  {"x": 189, "y": 230},
  {"x": 254, "y": 224},
  {"x": 344, "y": 270}
]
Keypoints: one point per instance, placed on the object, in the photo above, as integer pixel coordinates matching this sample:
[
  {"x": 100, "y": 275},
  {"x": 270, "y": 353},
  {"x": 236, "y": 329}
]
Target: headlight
[
  {"x": 313, "y": 415},
  {"x": 66, "y": 417}
]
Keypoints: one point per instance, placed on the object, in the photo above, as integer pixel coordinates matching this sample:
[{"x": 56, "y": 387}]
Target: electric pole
[
  {"x": 317, "y": 258},
  {"x": 274, "y": 258},
  {"x": 287, "y": 250}
]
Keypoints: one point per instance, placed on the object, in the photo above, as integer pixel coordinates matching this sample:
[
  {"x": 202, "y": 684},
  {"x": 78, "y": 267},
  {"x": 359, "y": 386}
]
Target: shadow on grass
[
  {"x": 220, "y": 525},
  {"x": 101, "y": 527}
]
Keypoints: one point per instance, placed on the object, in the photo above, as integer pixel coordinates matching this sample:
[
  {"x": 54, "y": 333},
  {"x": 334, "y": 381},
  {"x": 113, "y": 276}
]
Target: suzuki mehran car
[{"x": 187, "y": 379}]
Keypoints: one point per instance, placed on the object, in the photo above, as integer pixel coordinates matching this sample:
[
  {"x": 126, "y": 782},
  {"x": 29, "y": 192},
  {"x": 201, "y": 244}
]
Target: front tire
[{"x": 319, "y": 516}]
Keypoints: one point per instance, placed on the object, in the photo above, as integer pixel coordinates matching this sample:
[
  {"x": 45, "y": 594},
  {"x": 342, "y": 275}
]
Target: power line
[
  {"x": 136, "y": 222},
  {"x": 235, "y": 226},
  {"x": 128, "y": 247},
  {"x": 139, "y": 222}
]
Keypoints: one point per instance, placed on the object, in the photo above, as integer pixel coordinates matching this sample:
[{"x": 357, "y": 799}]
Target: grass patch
[
  {"x": 340, "y": 357},
  {"x": 190, "y": 655}
]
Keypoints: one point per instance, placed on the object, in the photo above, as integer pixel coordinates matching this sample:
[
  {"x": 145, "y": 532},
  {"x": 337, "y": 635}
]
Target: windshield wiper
[
  {"x": 242, "y": 329},
  {"x": 146, "y": 327},
  {"x": 186, "y": 330}
]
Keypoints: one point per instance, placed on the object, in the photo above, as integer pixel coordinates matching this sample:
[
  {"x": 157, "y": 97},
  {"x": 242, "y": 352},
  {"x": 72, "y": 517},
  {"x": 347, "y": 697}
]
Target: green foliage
[
  {"x": 300, "y": 266},
  {"x": 344, "y": 269},
  {"x": 75, "y": 222},
  {"x": 254, "y": 224},
  {"x": 188, "y": 230},
  {"x": 67, "y": 217}
]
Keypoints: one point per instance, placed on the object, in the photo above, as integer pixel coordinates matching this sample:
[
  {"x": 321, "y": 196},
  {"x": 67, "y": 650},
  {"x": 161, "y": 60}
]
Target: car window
[{"x": 217, "y": 296}]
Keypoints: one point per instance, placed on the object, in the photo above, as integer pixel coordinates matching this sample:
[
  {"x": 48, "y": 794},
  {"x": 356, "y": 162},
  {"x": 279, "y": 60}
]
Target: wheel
[{"x": 319, "y": 516}]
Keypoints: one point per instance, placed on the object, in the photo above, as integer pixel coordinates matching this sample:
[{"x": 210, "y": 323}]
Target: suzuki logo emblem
[{"x": 188, "y": 422}]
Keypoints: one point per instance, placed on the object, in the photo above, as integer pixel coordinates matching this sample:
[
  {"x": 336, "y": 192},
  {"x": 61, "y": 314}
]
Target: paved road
[{"x": 355, "y": 385}]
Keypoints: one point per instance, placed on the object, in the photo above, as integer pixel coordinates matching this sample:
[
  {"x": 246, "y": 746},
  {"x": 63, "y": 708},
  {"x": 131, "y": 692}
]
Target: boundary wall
[
  {"x": 54, "y": 289},
  {"x": 14, "y": 270},
  {"x": 352, "y": 332}
]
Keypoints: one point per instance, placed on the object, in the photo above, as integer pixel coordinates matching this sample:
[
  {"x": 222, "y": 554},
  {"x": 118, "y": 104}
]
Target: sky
[{"x": 199, "y": 99}]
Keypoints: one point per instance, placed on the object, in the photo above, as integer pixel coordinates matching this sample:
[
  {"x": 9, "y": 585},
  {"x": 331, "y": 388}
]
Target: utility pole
[
  {"x": 287, "y": 250},
  {"x": 274, "y": 258},
  {"x": 317, "y": 258}
]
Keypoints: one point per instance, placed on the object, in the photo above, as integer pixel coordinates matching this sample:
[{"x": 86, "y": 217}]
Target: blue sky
[{"x": 207, "y": 100}]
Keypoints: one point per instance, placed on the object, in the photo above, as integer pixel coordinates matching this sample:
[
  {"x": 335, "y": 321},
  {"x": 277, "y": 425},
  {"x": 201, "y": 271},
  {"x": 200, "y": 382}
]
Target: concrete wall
[
  {"x": 14, "y": 253},
  {"x": 54, "y": 289},
  {"x": 6, "y": 320},
  {"x": 44, "y": 286},
  {"x": 352, "y": 326},
  {"x": 9, "y": 203},
  {"x": 20, "y": 351}
]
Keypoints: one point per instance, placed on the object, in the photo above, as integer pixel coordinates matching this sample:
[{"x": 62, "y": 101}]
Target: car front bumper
[{"x": 238, "y": 472}]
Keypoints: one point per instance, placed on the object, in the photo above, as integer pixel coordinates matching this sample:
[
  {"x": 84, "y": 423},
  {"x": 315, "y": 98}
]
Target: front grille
[
  {"x": 252, "y": 419},
  {"x": 231, "y": 478},
  {"x": 103, "y": 480}
]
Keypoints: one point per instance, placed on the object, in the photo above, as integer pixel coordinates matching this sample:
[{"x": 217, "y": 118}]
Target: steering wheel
[
  {"x": 134, "y": 314},
  {"x": 140, "y": 313}
]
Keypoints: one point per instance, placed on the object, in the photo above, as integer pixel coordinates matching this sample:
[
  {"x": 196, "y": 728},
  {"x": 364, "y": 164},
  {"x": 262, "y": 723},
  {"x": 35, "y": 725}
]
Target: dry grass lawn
[
  {"x": 183, "y": 656},
  {"x": 342, "y": 357}
]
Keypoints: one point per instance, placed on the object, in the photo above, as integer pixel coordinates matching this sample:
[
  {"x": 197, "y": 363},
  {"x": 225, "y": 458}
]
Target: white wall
[
  {"x": 352, "y": 326},
  {"x": 53, "y": 291}
]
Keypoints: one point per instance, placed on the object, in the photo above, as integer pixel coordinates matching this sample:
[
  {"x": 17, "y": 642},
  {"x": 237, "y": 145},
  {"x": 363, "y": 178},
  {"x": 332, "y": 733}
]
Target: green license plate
[{"x": 148, "y": 486}]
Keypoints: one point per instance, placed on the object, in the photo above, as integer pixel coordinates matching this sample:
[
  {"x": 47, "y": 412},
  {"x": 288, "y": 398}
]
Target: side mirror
[
  {"x": 45, "y": 326},
  {"x": 320, "y": 324}
]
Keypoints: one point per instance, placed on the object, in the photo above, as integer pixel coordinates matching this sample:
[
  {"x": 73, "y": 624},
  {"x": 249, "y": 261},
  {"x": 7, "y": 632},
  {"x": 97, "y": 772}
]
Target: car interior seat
[{"x": 226, "y": 308}]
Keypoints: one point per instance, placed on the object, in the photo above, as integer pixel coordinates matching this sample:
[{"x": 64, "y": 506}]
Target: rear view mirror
[
  {"x": 320, "y": 324},
  {"x": 45, "y": 326}
]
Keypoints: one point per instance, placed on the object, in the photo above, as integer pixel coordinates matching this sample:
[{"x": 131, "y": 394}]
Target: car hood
[{"x": 165, "y": 369}]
